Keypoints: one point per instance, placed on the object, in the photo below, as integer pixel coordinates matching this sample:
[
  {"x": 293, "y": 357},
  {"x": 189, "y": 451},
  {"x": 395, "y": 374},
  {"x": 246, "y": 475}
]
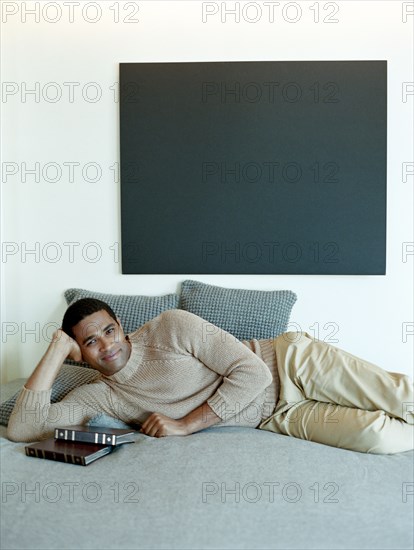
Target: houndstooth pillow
[
  {"x": 133, "y": 311},
  {"x": 69, "y": 377},
  {"x": 246, "y": 314}
]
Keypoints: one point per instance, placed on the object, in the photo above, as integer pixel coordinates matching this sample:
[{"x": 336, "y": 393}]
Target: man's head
[
  {"x": 81, "y": 309},
  {"x": 99, "y": 335}
]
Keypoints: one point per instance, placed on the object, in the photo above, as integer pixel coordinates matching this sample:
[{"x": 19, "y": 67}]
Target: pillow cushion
[
  {"x": 105, "y": 421},
  {"x": 133, "y": 311},
  {"x": 69, "y": 377},
  {"x": 246, "y": 314}
]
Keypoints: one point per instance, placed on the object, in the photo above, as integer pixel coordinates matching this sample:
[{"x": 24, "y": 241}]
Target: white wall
[{"x": 369, "y": 311}]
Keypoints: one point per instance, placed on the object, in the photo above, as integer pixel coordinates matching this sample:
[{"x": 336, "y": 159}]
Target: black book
[
  {"x": 68, "y": 451},
  {"x": 91, "y": 434}
]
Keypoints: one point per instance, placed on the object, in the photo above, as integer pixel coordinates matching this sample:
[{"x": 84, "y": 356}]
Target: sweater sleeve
[
  {"x": 244, "y": 374},
  {"x": 34, "y": 418}
]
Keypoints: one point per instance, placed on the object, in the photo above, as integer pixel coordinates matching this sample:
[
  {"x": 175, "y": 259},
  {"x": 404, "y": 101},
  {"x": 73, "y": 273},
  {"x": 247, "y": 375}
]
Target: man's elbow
[
  {"x": 14, "y": 435},
  {"x": 267, "y": 377},
  {"x": 21, "y": 433}
]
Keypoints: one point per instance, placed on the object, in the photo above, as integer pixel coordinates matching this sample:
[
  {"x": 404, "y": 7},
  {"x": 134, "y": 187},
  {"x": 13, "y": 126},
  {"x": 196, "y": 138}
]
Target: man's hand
[
  {"x": 159, "y": 425},
  {"x": 61, "y": 347},
  {"x": 63, "y": 340}
]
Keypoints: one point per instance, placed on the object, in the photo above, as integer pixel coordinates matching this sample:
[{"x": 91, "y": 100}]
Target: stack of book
[{"x": 80, "y": 444}]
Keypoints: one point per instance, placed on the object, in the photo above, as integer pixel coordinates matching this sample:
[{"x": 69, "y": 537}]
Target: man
[{"x": 178, "y": 374}]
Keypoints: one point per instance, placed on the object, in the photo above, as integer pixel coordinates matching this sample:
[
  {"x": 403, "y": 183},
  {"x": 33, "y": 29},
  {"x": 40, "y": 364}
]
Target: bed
[{"x": 221, "y": 488}]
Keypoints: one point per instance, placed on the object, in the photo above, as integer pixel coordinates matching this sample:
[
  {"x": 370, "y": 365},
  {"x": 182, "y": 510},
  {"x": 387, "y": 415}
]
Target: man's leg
[
  {"x": 344, "y": 427},
  {"x": 371, "y": 404}
]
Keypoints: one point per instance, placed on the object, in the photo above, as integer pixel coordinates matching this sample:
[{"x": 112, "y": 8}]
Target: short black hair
[{"x": 81, "y": 309}]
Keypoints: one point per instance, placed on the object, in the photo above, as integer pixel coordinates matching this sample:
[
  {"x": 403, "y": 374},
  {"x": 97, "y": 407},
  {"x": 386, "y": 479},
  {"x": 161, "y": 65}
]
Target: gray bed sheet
[{"x": 221, "y": 488}]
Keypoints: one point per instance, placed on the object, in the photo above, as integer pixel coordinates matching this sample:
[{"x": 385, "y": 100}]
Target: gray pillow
[
  {"x": 69, "y": 377},
  {"x": 246, "y": 314},
  {"x": 133, "y": 311}
]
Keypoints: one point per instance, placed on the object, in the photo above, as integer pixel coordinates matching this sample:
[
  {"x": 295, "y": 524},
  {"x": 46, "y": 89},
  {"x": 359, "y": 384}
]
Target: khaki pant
[{"x": 332, "y": 397}]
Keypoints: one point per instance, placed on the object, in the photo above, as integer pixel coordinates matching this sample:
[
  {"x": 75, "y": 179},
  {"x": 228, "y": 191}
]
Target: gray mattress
[{"x": 219, "y": 488}]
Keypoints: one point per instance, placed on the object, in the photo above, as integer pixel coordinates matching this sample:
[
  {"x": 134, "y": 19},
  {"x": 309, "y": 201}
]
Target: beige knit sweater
[{"x": 178, "y": 361}]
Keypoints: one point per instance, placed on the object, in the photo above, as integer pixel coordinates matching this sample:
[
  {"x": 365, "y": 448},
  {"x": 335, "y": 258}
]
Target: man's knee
[{"x": 390, "y": 436}]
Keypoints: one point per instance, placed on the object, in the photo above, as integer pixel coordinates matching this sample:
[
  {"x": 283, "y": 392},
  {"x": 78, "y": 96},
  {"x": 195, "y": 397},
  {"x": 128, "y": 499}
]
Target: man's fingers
[
  {"x": 150, "y": 426},
  {"x": 158, "y": 425}
]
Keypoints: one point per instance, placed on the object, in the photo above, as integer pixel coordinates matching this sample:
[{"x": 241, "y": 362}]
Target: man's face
[{"x": 102, "y": 342}]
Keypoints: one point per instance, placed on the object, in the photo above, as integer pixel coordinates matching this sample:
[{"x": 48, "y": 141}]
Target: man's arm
[
  {"x": 48, "y": 367},
  {"x": 159, "y": 425},
  {"x": 244, "y": 374},
  {"x": 33, "y": 416}
]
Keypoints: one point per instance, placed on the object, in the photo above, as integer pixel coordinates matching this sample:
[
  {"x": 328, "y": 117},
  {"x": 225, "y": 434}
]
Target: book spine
[
  {"x": 67, "y": 435},
  {"x": 53, "y": 455},
  {"x": 86, "y": 437}
]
